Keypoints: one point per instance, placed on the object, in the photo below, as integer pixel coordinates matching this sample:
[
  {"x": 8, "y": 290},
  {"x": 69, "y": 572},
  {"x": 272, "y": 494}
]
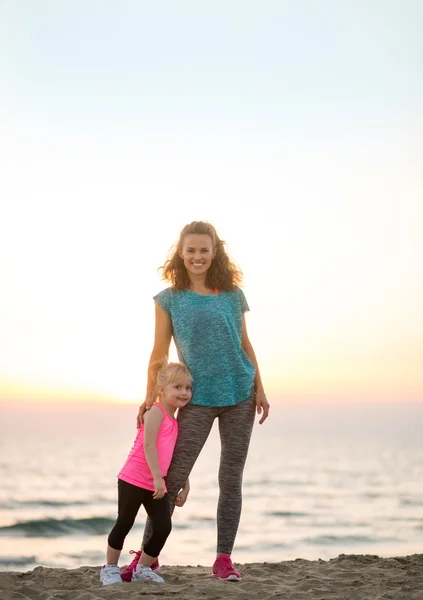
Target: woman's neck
[
  {"x": 199, "y": 289},
  {"x": 198, "y": 285}
]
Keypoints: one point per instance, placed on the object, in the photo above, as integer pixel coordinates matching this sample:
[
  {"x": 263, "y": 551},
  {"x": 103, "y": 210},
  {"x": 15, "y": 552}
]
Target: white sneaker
[
  {"x": 110, "y": 574},
  {"x": 142, "y": 573}
]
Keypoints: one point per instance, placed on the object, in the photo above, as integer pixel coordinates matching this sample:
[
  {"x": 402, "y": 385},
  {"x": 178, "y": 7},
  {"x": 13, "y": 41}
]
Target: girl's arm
[
  {"x": 152, "y": 422},
  {"x": 262, "y": 403},
  {"x": 162, "y": 339}
]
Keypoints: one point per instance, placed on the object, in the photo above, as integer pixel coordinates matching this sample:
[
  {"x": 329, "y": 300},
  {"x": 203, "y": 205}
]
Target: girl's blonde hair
[
  {"x": 164, "y": 373},
  {"x": 223, "y": 274}
]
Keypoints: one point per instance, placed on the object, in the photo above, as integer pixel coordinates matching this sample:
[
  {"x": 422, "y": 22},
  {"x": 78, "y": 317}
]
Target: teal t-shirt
[{"x": 207, "y": 331}]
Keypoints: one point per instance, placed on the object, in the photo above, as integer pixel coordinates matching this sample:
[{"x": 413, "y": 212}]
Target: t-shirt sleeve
[
  {"x": 243, "y": 301},
  {"x": 163, "y": 300}
]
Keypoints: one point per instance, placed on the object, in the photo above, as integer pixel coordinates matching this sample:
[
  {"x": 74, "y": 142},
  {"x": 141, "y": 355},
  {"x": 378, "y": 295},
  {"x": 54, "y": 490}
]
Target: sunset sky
[{"x": 295, "y": 128}]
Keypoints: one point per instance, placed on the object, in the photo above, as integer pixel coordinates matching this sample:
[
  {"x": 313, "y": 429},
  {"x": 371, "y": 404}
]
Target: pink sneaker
[
  {"x": 126, "y": 573},
  {"x": 224, "y": 569}
]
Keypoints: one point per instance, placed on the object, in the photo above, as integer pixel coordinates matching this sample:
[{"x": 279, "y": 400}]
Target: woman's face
[{"x": 197, "y": 253}]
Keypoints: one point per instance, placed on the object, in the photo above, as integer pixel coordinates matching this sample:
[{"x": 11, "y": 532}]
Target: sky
[{"x": 295, "y": 128}]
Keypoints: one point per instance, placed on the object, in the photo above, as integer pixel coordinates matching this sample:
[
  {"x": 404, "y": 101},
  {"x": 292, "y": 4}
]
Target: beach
[
  {"x": 350, "y": 486},
  {"x": 352, "y": 577}
]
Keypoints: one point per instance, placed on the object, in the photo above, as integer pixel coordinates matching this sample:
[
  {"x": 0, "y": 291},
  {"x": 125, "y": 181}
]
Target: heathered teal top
[{"x": 207, "y": 331}]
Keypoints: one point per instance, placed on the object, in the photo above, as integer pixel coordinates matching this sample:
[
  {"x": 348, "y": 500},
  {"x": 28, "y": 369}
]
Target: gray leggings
[{"x": 235, "y": 427}]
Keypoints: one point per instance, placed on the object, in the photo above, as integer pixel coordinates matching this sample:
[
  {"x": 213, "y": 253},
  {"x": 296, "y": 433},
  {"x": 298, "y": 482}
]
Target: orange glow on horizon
[{"x": 312, "y": 385}]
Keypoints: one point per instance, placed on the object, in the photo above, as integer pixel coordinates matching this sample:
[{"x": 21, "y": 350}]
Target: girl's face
[
  {"x": 197, "y": 253},
  {"x": 178, "y": 393}
]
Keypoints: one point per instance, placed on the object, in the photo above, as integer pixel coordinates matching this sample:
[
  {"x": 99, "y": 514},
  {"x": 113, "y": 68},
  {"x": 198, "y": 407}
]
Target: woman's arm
[
  {"x": 152, "y": 422},
  {"x": 262, "y": 403},
  {"x": 162, "y": 339}
]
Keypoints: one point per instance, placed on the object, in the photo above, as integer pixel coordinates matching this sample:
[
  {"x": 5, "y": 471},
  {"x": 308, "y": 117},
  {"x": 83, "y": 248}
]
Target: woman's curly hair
[{"x": 223, "y": 274}]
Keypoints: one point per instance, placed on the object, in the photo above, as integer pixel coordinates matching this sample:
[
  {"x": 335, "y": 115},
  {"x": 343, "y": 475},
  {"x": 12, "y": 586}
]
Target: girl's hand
[
  {"x": 181, "y": 498},
  {"x": 262, "y": 405},
  {"x": 159, "y": 488}
]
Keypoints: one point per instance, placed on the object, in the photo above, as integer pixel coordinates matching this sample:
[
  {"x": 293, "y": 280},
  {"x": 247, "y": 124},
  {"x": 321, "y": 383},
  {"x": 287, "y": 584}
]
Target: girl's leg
[
  {"x": 194, "y": 423},
  {"x": 159, "y": 514},
  {"x": 130, "y": 498},
  {"x": 235, "y": 427}
]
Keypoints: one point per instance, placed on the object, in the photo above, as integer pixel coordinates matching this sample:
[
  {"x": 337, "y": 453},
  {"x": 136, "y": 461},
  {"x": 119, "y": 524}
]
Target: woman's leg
[
  {"x": 194, "y": 423},
  {"x": 130, "y": 498},
  {"x": 235, "y": 426}
]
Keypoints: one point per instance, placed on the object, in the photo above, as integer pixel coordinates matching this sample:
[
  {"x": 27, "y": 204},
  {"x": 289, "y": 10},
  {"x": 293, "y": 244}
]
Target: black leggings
[{"x": 130, "y": 498}]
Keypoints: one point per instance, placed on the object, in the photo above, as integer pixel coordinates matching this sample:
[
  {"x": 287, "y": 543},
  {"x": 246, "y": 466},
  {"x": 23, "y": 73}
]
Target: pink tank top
[{"x": 136, "y": 470}]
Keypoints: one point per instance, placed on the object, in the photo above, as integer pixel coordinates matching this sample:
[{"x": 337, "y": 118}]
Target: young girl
[
  {"x": 204, "y": 312},
  {"x": 140, "y": 480}
]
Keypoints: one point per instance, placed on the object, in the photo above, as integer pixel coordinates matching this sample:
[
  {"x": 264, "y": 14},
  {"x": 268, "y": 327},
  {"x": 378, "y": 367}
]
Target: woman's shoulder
[
  {"x": 164, "y": 298},
  {"x": 237, "y": 291},
  {"x": 239, "y": 294}
]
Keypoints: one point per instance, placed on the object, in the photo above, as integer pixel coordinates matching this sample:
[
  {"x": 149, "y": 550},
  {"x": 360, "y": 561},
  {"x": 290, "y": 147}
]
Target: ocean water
[{"x": 319, "y": 481}]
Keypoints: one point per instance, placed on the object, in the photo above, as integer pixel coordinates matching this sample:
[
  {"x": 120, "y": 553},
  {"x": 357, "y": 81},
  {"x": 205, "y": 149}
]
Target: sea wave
[
  {"x": 347, "y": 539},
  {"x": 13, "y": 504},
  {"x": 276, "y": 482},
  {"x": 287, "y": 513},
  {"x": 411, "y": 501},
  {"x": 58, "y": 527},
  {"x": 16, "y": 561}
]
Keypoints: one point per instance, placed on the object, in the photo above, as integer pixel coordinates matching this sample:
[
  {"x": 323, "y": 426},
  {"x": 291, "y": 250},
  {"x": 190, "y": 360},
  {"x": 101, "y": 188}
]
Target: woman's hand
[
  {"x": 140, "y": 414},
  {"x": 262, "y": 404},
  {"x": 181, "y": 498},
  {"x": 146, "y": 405}
]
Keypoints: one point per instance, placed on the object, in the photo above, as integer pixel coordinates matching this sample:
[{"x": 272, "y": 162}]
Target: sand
[{"x": 347, "y": 577}]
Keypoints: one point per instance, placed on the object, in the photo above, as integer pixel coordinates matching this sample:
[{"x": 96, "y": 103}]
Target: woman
[{"x": 203, "y": 310}]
